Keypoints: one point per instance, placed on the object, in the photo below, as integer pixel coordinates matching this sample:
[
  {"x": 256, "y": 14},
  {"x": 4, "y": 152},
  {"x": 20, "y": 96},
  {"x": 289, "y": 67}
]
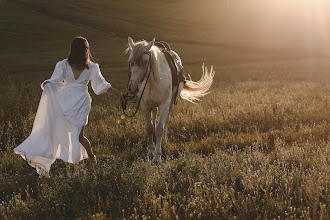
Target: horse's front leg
[
  {"x": 166, "y": 124},
  {"x": 153, "y": 120},
  {"x": 163, "y": 114},
  {"x": 150, "y": 131}
]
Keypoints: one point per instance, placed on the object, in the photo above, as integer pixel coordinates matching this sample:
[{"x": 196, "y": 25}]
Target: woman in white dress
[{"x": 58, "y": 129}]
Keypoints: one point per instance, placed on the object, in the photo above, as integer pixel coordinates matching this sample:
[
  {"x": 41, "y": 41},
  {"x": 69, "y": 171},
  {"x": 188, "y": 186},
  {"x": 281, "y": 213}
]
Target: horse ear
[
  {"x": 150, "y": 44},
  {"x": 130, "y": 43}
]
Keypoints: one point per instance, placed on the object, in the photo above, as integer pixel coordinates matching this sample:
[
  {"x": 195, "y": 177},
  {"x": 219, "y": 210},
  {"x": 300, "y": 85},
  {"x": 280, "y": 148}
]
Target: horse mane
[
  {"x": 137, "y": 53},
  {"x": 156, "y": 65},
  {"x": 157, "y": 59}
]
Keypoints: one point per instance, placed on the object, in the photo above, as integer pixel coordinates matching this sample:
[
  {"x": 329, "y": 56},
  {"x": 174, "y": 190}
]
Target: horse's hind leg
[
  {"x": 150, "y": 131},
  {"x": 163, "y": 113}
]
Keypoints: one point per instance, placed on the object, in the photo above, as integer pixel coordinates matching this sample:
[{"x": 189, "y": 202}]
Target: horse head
[{"x": 139, "y": 61}]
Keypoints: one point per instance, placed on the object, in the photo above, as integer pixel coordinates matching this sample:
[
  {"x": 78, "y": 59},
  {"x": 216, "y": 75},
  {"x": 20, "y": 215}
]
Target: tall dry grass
[{"x": 253, "y": 150}]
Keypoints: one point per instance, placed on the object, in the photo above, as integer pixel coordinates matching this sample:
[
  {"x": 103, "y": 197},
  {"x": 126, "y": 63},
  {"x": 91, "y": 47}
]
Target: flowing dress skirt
[{"x": 62, "y": 111}]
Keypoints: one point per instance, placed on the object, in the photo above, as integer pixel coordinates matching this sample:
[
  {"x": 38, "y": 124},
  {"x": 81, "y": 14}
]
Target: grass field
[{"x": 256, "y": 147}]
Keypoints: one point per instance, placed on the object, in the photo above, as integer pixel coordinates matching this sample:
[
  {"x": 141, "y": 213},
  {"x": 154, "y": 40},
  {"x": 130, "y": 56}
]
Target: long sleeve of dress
[
  {"x": 99, "y": 84},
  {"x": 58, "y": 75}
]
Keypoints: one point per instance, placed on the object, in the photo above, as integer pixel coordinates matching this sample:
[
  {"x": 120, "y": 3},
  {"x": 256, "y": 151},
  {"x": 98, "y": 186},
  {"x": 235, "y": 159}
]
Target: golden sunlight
[
  {"x": 303, "y": 21},
  {"x": 290, "y": 23}
]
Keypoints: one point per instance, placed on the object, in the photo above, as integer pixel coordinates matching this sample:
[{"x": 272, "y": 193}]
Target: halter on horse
[{"x": 132, "y": 98}]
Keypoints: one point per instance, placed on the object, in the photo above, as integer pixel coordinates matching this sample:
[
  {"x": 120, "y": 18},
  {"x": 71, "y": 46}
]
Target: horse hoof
[
  {"x": 156, "y": 160},
  {"x": 150, "y": 155}
]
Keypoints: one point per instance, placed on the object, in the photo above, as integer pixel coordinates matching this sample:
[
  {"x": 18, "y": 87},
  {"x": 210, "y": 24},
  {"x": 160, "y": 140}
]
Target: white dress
[{"x": 63, "y": 110}]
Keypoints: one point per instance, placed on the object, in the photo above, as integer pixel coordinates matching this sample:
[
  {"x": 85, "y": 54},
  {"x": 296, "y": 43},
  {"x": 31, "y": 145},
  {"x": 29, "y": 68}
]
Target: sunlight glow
[
  {"x": 299, "y": 25},
  {"x": 309, "y": 18},
  {"x": 296, "y": 22}
]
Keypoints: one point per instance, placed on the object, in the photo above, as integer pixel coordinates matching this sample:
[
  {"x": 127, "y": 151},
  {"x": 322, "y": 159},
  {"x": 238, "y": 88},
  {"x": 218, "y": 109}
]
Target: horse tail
[{"x": 193, "y": 91}]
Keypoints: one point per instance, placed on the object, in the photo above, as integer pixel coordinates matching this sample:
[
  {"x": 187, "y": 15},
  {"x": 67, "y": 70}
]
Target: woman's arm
[
  {"x": 115, "y": 92},
  {"x": 58, "y": 75}
]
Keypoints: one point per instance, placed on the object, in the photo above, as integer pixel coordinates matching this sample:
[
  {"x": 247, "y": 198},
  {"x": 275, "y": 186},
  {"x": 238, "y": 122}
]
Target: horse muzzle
[{"x": 133, "y": 89}]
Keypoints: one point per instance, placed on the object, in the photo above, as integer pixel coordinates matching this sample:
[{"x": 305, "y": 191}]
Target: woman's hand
[{"x": 115, "y": 92}]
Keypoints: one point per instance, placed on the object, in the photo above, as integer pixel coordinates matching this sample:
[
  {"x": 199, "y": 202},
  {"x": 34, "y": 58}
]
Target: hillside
[{"x": 230, "y": 38}]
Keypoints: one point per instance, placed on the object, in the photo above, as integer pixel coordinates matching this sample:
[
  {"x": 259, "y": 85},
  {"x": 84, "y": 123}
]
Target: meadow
[{"x": 256, "y": 147}]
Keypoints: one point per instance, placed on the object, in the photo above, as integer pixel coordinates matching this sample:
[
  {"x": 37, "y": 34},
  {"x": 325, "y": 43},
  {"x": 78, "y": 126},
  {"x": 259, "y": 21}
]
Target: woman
[{"x": 58, "y": 129}]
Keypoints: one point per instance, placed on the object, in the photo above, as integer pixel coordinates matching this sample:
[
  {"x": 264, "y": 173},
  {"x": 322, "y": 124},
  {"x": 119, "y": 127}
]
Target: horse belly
[{"x": 154, "y": 98}]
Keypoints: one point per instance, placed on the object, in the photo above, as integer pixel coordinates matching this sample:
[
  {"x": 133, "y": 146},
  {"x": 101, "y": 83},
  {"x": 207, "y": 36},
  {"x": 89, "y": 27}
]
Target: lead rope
[{"x": 126, "y": 96}]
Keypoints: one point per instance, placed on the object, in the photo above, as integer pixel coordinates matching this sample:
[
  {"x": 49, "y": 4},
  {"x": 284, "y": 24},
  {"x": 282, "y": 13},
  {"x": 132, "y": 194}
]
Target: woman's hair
[{"x": 79, "y": 53}]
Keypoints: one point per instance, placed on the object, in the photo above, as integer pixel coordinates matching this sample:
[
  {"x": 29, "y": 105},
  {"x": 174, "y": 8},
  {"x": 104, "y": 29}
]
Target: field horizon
[{"x": 256, "y": 147}]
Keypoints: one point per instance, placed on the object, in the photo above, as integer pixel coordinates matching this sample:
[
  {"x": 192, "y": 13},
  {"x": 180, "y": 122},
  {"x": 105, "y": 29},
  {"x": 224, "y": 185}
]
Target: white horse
[{"x": 145, "y": 59}]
